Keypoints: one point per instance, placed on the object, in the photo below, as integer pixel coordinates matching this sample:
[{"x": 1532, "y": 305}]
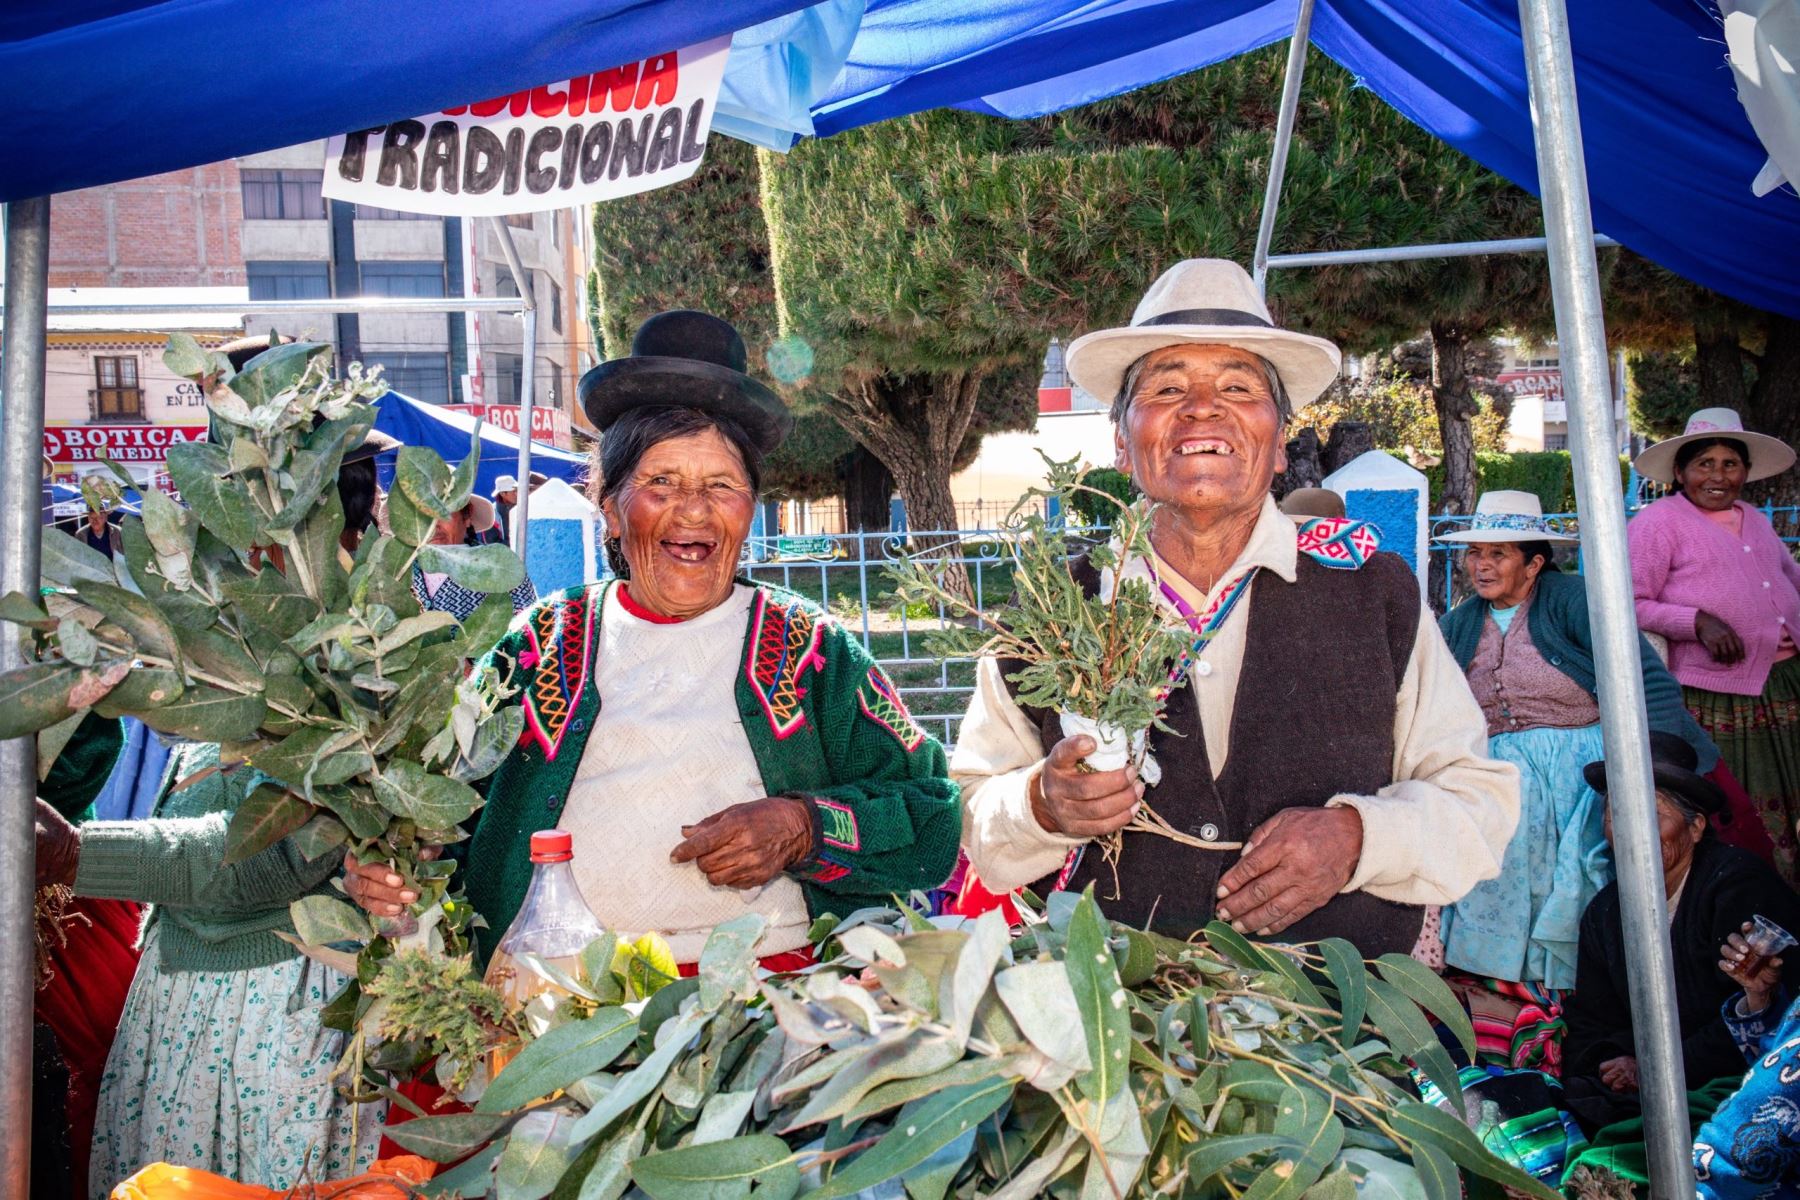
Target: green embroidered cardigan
[{"x": 825, "y": 724}]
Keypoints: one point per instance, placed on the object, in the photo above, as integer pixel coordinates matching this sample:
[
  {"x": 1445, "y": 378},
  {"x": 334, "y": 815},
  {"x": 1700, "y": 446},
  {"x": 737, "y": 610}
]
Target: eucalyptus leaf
[
  {"x": 1350, "y": 977},
  {"x": 727, "y": 968},
  {"x": 267, "y": 815},
  {"x": 1432, "y": 1126},
  {"x": 490, "y": 568},
  {"x": 66, "y": 561},
  {"x": 35, "y": 697},
  {"x": 721, "y": 1170},
  {"x": 611, "y": 1172},
  {"x": 640, "y": 1081},
  {"x": 448, "y": 1138},
  {"x": 323, "y": 921},
  {"x": 919, "y": 1131},
  {"x": 536, "y": 1154},
  {"x": 467, "y": 1181},
  {"x": 566, "y": 1053},
  {"x": 1100, "y": 999},
  {"x": 1040, "y": 997},
  {"x": 1429, "y": 992}
]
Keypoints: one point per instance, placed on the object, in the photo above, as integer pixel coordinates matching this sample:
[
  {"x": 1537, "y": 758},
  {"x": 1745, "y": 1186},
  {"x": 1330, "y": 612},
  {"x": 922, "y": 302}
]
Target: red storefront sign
[
  {"x": 547, "y": 424},
  {"x": 1548, "y": 384},
  {"x": 122, "y": 443}
]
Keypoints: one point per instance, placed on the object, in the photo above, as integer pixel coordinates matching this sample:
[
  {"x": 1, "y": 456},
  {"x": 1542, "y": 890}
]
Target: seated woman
[
  {"x": 1752, "y": 1142},
  {"x": 1712, "y": 890},
  {"x": 1524, "y": 642},
  {"x": 716, "y": 747}
]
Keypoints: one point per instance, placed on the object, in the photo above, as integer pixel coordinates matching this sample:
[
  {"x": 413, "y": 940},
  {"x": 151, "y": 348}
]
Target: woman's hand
[
  {"x": 1084, "y": 804},
  {"x": 58, "y": 847},
  {"x": 1759, "y": 985},
  {"x": 1720, "y": 639},
  {"x": 749, "y": 844},
  {"x": 1620, "y": 1074},
  {"x": 377, "y": 888}
]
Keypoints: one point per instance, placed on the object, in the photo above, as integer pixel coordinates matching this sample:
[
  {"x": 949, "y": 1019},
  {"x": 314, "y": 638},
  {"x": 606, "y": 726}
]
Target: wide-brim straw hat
[
  {"x": 1507, "y": 516},
  {"x": 1768, "y": 455},
  {"x": 686, "y": 359},
  {"x": 1204, "y": 302},
  {"x": 481, "y": 514}
]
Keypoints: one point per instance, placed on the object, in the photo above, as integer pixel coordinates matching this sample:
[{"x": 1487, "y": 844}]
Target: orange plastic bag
[{"x": 388, "y": 1179}]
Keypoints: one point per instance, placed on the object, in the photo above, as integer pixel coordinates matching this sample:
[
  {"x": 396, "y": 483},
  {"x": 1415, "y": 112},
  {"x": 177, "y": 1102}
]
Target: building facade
[{"x": 258, "y": 228}]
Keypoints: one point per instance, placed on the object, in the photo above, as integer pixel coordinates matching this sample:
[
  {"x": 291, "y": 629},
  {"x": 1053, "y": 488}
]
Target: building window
[
  {"x": 1556, "y": 441},
  {"x": 509, "y": 370},
  {"x": 422, "y": 376},
  {"x": 414, "y": 280},
  {"x": 117, "y": 396},
  {"x": 505, "y": 285},
  {"x": 283, "y": 195},
  {"x": 519, "y": 220},
  {"x": 552, "y": 375},
  {"x": 288, "y": 280},
  {"x": 555, "y": 307},
  {"x": 1543, "y": 362},
  {"x": 371, "y": 212}
]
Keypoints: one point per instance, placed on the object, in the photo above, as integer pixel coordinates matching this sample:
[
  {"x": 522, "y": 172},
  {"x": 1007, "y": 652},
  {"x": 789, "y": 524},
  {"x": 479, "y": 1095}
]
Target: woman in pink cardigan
[{"x": 1712, "y": 577}]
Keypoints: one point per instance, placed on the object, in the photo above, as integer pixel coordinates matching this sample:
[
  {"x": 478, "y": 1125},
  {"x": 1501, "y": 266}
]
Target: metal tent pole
[
  {"x": 1581, "y": 334},
  {"x": 1327, "y": 258},
  {"x": 21, "y": 484},
  {"x": 1284, "y": 137},
  {"x": 527, "y": 381}
]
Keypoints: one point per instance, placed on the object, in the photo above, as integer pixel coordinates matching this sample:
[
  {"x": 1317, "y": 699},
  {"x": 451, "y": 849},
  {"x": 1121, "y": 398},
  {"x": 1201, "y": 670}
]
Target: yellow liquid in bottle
[{"x": 518, "y": 985}]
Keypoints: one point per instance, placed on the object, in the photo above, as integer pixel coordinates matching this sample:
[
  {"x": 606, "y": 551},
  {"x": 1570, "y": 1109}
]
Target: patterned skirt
[
  {"x": 230, "y": 1072},
  {"x": 1524, "y": 925},
  {"x": 1759, "y": 738}
]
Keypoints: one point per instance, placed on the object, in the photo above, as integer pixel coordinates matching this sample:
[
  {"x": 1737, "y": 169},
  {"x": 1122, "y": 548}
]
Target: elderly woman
[
  {"x": 1712, "y": 577},
  {"x": 1523, "y": 640},
  {"x": 1712, "y": 890},
  {"x": 1324, "y": 725},
  {"x": 716, "y": 747}
]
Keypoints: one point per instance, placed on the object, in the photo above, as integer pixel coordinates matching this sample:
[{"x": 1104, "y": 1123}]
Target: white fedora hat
[
  {"x": 1508, "y": 517},
  {"x": 1203, "y": 302},
  {"x": 505, "y": 483},
  {"x": 1768, "y": 455}
]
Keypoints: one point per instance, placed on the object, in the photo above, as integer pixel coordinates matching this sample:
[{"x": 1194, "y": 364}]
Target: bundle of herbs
[
  {"x": 240, "y": 620},
  {"x": 1105, "y": 663},
  {"x": 949, "y": 1057}
]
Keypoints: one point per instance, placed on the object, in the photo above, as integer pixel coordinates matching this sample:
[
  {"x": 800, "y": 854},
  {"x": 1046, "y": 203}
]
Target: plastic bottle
[{"x": 554, "y": 925}]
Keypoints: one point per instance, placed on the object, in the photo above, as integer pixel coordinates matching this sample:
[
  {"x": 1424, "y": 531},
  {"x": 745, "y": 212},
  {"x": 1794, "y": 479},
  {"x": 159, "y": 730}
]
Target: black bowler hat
[
  {"x": 1674, "y": 764},
  {"x": 686, "y": 359}
]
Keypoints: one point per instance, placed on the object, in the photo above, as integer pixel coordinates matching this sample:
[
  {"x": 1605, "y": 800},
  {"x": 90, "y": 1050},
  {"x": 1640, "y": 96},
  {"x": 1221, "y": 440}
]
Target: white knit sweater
[{"x": 667, "y": 750}]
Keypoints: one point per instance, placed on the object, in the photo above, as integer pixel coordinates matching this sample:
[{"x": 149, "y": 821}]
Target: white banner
[{"x": 594, "y": 137}]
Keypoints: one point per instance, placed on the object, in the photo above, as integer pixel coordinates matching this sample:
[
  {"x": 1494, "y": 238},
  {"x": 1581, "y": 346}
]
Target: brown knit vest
[{"x": 1314, "y": 718}]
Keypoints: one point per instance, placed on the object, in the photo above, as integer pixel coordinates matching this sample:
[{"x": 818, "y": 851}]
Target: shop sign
[
  {"x": 121, "y": 443},
  {"x": 591, "y": 137}
]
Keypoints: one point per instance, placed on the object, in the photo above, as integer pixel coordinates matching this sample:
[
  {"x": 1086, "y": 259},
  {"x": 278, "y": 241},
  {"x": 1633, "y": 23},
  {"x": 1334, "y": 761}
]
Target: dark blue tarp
[
  {"x": 417, "y": 423},
  {"x": 1670, "y": 153},
  {"x": 104, "y": 90}
]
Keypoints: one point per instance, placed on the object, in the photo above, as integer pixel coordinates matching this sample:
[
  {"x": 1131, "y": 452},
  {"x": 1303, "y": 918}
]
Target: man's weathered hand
[
  {"x": 58, "y": 847},
  {"x": 1292, "y": 864},
  {"x": 749, "y": 844},
  {"x": 1083, "y": 804}
]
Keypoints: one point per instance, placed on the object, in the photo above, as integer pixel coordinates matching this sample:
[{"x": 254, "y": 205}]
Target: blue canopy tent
[
  {"x": 1660, "y": 143},
  {"x": 416, "y": 423}
]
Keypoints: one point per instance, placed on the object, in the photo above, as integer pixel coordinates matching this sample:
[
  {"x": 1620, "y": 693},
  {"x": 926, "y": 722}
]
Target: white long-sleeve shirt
[{"x": 1428, "y": 837}]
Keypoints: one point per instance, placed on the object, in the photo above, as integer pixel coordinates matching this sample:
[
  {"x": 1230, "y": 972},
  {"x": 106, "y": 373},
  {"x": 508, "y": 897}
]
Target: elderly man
[{"x": 1325, "y": 725}]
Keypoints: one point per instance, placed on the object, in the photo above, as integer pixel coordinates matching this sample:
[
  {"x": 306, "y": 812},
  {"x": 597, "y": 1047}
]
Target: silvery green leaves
[
  {"x": 1106, "y": 657},
  {"x": 939, "y": 1057}
]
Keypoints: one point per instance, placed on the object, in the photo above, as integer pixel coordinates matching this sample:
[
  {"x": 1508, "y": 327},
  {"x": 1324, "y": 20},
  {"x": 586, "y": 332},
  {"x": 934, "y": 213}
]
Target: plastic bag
[{"x": 160, "y": 1181}]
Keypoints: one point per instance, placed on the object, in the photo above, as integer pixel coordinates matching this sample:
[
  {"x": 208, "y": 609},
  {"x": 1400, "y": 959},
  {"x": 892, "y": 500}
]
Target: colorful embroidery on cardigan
[
  {"x": 882, "y": 704},
  {"x": 783, "y": 643},
  {"x": 1339, "y": 542},
  {"x": 560, "y": 633},
  {"x": 828, "y": 871},
  {"x": 837, "y": 825}
]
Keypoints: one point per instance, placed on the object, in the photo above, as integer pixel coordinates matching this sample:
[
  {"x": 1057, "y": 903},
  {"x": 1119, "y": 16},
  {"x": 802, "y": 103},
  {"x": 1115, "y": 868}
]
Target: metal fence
[{"x": 847, "y": 574}]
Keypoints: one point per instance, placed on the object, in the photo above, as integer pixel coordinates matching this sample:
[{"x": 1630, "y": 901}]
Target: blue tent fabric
[
  {"x": 1671, "y": 154},
  {"x": 97, "y": 91},
  {"x": 135, "y": 784},
  {"x": 416, "y": 423}
]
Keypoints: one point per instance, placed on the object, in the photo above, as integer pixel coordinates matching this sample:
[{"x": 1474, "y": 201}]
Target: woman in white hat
[
  {"x": 1712, "y": 577},
  {"x": 1524, "y": 641}
]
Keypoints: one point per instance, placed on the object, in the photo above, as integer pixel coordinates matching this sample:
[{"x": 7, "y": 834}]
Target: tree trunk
[
  {"x": 1304, "y": 469},
  {"x": 868, "y": 492},
  {"x": 1718, "y": 357},
  {"x": 1455, "y": 403},
  {"x": 1350, "y": 440},
  {"x": 915, "y": 424},
  {"x": 1773, "y": 405}
]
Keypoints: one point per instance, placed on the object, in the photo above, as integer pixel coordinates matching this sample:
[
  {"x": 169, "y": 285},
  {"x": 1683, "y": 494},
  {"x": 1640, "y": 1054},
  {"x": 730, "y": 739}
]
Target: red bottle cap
[{"x": 552, "y": 846}]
